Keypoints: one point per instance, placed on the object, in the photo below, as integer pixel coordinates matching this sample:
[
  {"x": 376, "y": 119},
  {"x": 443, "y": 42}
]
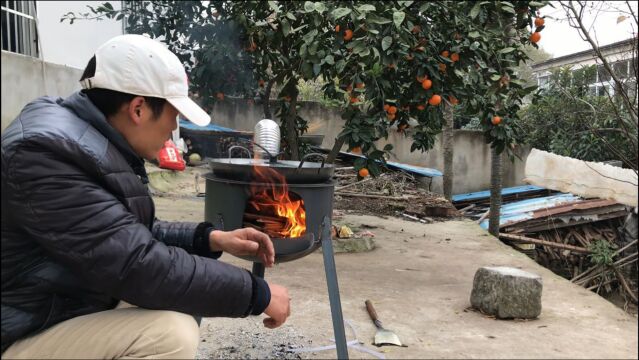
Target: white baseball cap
[{"x": 136, "y": 64}]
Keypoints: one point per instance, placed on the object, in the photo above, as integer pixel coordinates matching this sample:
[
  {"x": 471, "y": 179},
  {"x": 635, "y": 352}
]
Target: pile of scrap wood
[
  {"x": 395, "y": 193},
  {"x": 581, "y": 239}
]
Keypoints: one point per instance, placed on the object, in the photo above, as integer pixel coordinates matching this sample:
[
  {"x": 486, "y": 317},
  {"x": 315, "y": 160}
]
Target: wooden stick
[
  {"x": 358, "y": 182},
  {"x": 486, "y": 214},
  {"x": 467, "y": 208},
  {"x": 376, "y": 196},
  {"x": 624, "y": 248},
  {"x": 544, "y": 242},
  {"x": 624, "y": 284},
  {"x": 264, "y": 218}
]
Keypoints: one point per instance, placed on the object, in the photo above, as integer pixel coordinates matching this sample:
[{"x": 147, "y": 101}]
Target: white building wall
[{"x": 73, "y": 45}]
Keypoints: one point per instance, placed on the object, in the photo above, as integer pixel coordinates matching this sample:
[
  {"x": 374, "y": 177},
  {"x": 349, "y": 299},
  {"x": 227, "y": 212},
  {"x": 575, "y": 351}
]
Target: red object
[{"x": 170, "y": 157}]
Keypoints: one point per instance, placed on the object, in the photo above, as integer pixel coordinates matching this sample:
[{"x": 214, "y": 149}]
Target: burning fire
[{"x": 280, "y": 214}]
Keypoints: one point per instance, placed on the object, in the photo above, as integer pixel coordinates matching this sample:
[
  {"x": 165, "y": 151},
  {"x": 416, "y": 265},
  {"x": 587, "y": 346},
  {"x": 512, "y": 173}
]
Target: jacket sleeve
[
  {"x": 190, "y": 236},
  {"x": 86, "y": 228}
]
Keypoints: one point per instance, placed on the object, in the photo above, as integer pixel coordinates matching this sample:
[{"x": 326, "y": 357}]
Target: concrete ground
[{"x": 419, "y": 278}]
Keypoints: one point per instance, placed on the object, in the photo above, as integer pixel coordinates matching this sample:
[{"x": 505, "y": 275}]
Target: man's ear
[{"x": 135, "y": 109}]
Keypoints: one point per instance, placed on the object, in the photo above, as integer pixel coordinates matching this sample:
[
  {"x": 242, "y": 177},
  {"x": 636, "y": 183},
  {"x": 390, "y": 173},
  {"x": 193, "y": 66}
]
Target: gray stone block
[{"x": 507, "y": 293}]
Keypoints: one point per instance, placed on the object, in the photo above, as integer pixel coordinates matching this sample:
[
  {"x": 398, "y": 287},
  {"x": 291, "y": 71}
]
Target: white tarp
[{"x": 583, "y": 178}]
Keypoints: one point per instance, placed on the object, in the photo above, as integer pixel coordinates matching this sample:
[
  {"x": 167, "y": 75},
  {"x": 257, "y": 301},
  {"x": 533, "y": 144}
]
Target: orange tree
[{"x": 391, "y": 64}]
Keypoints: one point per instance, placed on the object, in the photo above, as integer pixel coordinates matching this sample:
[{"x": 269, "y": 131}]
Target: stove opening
[{"x": 276, "y": 211}]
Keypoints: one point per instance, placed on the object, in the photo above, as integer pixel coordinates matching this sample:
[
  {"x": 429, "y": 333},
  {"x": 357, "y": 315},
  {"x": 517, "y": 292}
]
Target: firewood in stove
[{"x": 264, "y": 218}]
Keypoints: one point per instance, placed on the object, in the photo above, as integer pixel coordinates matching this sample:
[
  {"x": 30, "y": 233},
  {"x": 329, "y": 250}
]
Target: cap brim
[{"x": 190, "y": 110}]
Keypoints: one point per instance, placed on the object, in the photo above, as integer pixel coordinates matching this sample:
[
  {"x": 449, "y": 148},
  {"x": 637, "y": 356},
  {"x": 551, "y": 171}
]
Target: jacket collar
[{"x": 80, "y": 103}]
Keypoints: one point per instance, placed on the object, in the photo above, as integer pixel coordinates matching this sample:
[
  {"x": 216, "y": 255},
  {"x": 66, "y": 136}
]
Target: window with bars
[{"x": 19, "y": 34}]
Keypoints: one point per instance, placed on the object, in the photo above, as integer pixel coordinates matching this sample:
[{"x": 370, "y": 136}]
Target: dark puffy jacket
[{"x": 78, "y": 230}]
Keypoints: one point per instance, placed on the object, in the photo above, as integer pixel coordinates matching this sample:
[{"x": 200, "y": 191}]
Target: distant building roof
[{"x": 585, "y": 53}]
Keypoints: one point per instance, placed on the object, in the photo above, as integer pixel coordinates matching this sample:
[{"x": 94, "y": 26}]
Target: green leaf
[
  {"x": 286, "y": 27},
  {"x": 507, "y": 50},
  {"x": 495, "y": 77},
  {"x": 309, "y": 6},
  {"x": 329, "y": 59},
  {"x": 508, "y": 9},
  {"x": 474, "y": 46},
  {"x": 340, "y": 12},
  {"x": 365, "y": 52},
  {"x": 398, "y": 18},
  {"x": 320, "y": 7},
  {"x": 475, "y": 11},
  {"x": 310, "y": 36},
  {"x": 291, "y": 16},
  {"x": 317, "y": 68},
  {"x": 376, "y": 52},
  {"x": 386, "y": 42},
  {"x": 108, "y": 5},
  {"x": 299, "y": 28},
  {"x": 366, "y": 8},
  {"x": 474, "y": 34},
  {"x": 273, "y": 6},
  {"x": 372, "y": 18},
  {"x": 536, "y": 4}
]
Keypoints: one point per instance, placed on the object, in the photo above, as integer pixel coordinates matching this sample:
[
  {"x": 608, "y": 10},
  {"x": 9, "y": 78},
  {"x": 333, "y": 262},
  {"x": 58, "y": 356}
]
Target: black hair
[{"x": 110, "y": 101}]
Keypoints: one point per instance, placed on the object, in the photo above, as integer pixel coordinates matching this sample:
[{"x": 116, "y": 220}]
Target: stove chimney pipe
[{"x": 267, "y": 136}]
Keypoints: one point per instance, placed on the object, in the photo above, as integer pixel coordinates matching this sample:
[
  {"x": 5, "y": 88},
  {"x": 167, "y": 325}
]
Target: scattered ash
[{"x": 248, "y": 339}]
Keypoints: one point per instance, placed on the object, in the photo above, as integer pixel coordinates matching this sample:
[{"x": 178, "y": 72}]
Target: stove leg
[
  {"x": 258, "y": 269},
  {"x": 333, "y": 290}
]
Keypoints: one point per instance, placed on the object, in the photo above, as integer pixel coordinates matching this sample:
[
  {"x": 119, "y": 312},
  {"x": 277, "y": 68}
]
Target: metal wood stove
[{"x": 235, "y": 195}]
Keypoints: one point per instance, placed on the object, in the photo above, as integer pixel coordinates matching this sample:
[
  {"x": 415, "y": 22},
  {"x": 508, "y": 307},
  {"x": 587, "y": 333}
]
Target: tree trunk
[
  {"x": 291, "y": 128},
  {"x": 266, "y": 98},
  {"x": 448, "y": 151},
  {"x": 495, "y": 192},
  {"x": 332, "y": 155}
]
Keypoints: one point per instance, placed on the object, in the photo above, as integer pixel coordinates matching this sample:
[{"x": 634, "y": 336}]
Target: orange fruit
[
  {"x": 427, "y": 84},
  {"x": 416, "y": 29},
  {"x": 386, "y": 106},
  {"x": 453, "y": 100},
  {"x": 336, "y": 28},
  {"x": 261, "y": 83},
  {"x": 535, "y": 37},
  {"x": 354, "y": 100},
  {"x": 391, "y": 66},
  {"x": 360, "y": 85},
  {"x": 539, "y": 22},
  {"x": 390, "y": 117},
  {"x": 442, "y": 67},
  {"x": 445, "y": 53},
  {"x": 454, "y": 57},
  {"x": 348, "y": 34},
  {"x": 356, "y": 150},
  {"x": 363, "y": 172},
  {"x": 220, "y": 96},
  {"x": 349, "y": 88},
  {"x": 421, "y": 107},
  {"x": 496, "y": 120},
  {"x": 421, "y": 78},
  {"x": 392, "y": 110},
  {"x": 434, "y": 100}
]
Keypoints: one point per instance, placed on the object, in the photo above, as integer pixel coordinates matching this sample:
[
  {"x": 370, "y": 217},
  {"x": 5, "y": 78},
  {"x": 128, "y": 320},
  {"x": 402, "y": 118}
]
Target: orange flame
[{"x": 274, "y": 201}]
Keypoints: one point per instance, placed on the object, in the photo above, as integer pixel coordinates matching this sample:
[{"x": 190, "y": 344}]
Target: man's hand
[
  {"x": 279, "y": 308},
  {"x": 247, "y": 241}
]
